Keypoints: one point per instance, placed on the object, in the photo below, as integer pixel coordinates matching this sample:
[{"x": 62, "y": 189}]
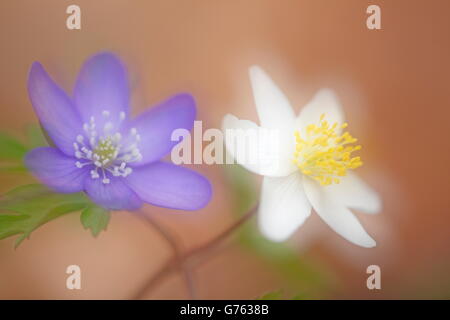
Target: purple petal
[
  {"x": 115, "y": 195},
  {"x": 170, "y": 186},
  {"x": 156, "y": 125},
  {"x": 102, "y": 85},
  {"x": 56, "y": 170},
  {"x": 54, "y": 109}
]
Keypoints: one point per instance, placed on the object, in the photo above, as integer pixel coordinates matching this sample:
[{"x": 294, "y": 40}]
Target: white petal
[
  {"x": 336, "y": 215},
  {"x": 353, "y": 192},
  {"x": 324, "y": 102},
  {"x": 264, "y": 151},
  {"x": 283, "y": 208},
  {"x": 274, "y": 109}
]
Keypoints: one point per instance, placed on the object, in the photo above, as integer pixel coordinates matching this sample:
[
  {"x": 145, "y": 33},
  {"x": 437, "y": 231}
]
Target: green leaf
[
  {"x": 11, "y": 148},
  {"x": 12, "y": 152},
  {"x": 298, "y": 271},
  {"x": 12, "y": 167},
  {"x": 300, "y": 296},
  {"x": 35, "y": 205},
  {"x": 242, "y": 184},
  {"x": 95, "y": 218},
  {"x": 35, "y": 136},
  {"x": 278, "y": 295},
  {"x": 273, "y": 295}
]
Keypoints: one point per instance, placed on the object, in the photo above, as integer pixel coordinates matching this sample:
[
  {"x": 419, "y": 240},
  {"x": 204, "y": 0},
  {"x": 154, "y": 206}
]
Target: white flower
[{"x": 310, "y": 167}]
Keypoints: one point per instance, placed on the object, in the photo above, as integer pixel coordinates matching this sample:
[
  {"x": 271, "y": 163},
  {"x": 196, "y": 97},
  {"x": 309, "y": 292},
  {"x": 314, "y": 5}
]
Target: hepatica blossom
[
  {"x": 101, "y": 150},
  {"x": 311, "y": 166}
]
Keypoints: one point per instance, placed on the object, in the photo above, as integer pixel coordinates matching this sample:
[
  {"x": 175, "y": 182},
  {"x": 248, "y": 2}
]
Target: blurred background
[{"x": 394, "y": 85}]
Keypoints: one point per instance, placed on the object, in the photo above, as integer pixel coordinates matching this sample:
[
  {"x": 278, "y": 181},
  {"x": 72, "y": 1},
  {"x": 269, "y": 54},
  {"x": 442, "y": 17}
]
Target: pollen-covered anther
[
  {"x": 108, "y": 153},
  {"x": 323, "y": 154}
]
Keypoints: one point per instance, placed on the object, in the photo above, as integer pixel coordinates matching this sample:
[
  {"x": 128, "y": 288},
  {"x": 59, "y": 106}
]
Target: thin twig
[
  {"x": 155, "y": 279},
  {"x": 184, "y": 259},
  {"x": 215, "y": 242},
  {"x": 177, "y": 249}
]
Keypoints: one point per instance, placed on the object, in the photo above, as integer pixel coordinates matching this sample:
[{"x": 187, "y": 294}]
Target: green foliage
[
  {"x": 11, "y": 153},
  {"x": 272, "y": 295},
  {"x": 11, "y": 148},
  {"x": 36, "y": 136},
  {"x": 95, "y": 218},
  {"x": 242, "y": 185},
  {"x": 26, "y": 208},
  {"x": 300, "y": 296},
  {"x": 298, "y": 271},
  {"x": 34, "y": 205},
  {"x": 278, "y": 295}
]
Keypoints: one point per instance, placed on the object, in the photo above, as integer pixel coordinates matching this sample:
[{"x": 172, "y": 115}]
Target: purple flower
[{"x": 100, "y": 150}]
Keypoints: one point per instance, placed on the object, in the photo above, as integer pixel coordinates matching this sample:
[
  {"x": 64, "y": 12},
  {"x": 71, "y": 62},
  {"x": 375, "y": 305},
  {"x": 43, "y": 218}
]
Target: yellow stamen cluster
[
  {"x": 323, "y": 154},
  {"x": 106, "y": 151}
]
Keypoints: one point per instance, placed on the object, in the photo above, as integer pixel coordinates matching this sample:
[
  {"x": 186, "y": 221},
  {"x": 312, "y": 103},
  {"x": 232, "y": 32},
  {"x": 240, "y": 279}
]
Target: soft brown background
[{"x": 394, "y": 84}]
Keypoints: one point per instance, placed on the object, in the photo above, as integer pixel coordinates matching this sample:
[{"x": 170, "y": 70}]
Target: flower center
[
  {"x": 107, "y": 153},
  {"x": 323, "y": 154}
]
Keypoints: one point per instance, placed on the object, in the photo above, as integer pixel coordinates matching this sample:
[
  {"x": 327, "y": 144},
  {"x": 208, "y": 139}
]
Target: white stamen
[
  {"x": 94, "y": 174},
  {"x": 108, "y": 126},
  {"x": 80, "y": 138},
  {"x": 106, "y": 151}
]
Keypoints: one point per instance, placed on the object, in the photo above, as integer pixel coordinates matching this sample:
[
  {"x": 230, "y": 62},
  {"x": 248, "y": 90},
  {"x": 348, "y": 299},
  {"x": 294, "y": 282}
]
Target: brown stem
[
  {"x": 215, "y": 242},
  {"x": 184, "y": 259},
  {"x": 177, "y": 249}
]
